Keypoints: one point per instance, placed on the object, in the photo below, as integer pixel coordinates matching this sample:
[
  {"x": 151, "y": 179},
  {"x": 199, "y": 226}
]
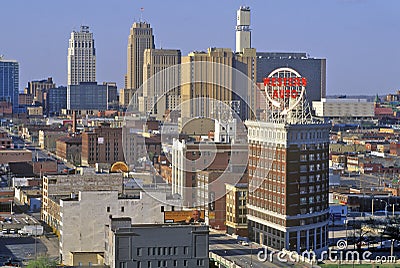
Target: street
[{"x": 244, "y": 256}]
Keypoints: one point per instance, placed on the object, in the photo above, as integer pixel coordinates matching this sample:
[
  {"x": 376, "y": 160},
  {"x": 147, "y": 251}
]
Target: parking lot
[
  {"x": 21, "y": 248},
  {"x": 11, "y": 224}
]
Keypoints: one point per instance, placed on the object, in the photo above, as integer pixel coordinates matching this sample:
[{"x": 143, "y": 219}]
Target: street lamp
[{"x": 386, "y": 205}]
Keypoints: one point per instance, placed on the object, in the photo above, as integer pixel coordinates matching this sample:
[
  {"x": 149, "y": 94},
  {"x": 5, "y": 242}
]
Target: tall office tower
[
  {"x": 161, "y": 84},
  {"x": 81, "y": 57},
  {"x": 140, "y": 38},
  {"x": 9, "y": 82},
  {"x": 288, "y": 169},
  {"x": 206, "y": 76},
  {"x": 243, "y": 33}
]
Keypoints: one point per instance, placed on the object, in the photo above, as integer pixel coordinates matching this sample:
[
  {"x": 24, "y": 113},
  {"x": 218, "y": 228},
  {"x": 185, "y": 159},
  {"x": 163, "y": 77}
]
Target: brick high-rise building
[
  {"x": 102, "y": 145},
  {"x": 288, "y": 169}
]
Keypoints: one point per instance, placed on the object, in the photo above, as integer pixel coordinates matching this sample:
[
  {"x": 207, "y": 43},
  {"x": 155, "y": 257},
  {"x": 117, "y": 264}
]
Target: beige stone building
[
  {"x": 140, "y": 38},
  {"x": 236, "y": 219},
  {"x": 161, "y": 80}
]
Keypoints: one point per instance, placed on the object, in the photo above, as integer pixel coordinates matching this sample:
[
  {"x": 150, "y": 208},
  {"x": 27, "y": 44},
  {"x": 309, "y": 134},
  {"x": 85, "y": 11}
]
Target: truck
[{"x": 34, "y": 230}]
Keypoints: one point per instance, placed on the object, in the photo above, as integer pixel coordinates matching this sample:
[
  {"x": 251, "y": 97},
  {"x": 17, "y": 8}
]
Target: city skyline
[{"x": 356, "y": 37}]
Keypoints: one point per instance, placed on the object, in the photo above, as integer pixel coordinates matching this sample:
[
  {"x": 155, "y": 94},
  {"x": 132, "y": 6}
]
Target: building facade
[
  {"x": 236, "y": 201},
  {"x": 83, "y": 219},
  {"x": 161, "y": 89},
  {"x": 102, "y": 145},
  {"x": 38, "y": 89},
  {"x": 140, "y": 38},
  {"x": 156, "y": 245},
  {"x": 9, "y": 82},
  {"x": 344, "y": 108},
  {"x": 56, "y": 100},
  {"x": 69, "y": 149},
  {"x": 288, "y": 170},
  {"x": 202, "y": 90},
  {"x": 91, "y": 96},
  {"x": 81, "y": 57}
]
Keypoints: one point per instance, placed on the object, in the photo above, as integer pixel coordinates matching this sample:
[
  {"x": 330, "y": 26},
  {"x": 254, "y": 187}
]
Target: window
[
  {"x": 122, "y": 209},
  {"x": 108, "y": 209},
  {"x": 185, "y": 263}
]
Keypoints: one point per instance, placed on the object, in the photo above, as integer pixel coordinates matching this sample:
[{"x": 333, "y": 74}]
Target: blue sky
[{"x": 359, "y": 38}]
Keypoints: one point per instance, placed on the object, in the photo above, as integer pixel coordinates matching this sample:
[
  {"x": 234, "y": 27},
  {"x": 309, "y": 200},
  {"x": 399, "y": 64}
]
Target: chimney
[{"x": 73, "y": 121}]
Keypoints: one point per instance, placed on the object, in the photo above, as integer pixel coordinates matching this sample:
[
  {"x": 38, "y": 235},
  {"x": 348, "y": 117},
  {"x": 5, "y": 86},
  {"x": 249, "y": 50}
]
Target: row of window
[{"x": 162, "y": 263}]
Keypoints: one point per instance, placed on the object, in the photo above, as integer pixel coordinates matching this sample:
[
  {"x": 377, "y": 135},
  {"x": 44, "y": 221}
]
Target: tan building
[
  {"x": 213, "y": 85},
  {"x": 245, "y": 62},
  {"x": 161, "y": 91},
  {"x": 140, "y": 38},
  {"x": 211, "y": 194},
  {"x": 35, "y": 111},
  {"x": 102, "y": 145},
  {"x": 236, "y": 219},
  {"x": 12, "y": 156},
  {"x": 37, "y": 89},
  {"x": 219, "y": 79}
]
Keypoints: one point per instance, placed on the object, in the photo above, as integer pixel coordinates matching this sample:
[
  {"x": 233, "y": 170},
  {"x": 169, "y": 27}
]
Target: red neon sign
[
  {"x": 282, "y": 83},
  {"x": 285, "y": 82}
]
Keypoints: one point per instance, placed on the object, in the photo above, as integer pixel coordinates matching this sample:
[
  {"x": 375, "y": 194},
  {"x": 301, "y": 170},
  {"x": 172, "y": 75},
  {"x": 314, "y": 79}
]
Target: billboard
[{"x": 179, "y": 216}]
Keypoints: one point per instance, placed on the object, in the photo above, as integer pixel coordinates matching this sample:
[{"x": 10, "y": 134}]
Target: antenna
[{"x": 141, "y": 14}]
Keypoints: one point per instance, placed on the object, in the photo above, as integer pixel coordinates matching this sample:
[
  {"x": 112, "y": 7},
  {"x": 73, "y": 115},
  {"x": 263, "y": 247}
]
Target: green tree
[{"x": 42, "y": 262}]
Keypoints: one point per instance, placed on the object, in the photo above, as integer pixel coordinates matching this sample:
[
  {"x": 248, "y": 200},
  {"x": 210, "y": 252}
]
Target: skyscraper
[
  {"x": 81, "y": 57},
  {"x": 206, "y": 78},
  {"x": 9, "y": 82},
  {"x": 288, "y": 169},
  {"x": 140, "y": 38},
  {"x": 161, "y": 91}
]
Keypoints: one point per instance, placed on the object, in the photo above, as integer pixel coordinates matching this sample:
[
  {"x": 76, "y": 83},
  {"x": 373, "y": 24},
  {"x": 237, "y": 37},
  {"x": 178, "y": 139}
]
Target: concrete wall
[{"x": 82, "y": 222}]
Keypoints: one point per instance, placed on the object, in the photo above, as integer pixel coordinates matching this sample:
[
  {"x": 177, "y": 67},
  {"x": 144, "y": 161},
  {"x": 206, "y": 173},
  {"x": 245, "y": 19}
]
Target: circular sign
[{"x": 284, "y": 89}]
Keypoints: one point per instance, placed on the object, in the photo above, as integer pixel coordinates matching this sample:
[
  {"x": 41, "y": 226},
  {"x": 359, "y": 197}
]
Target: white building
[
  {"x": 83, "y": 219},
  {"x": 81, "y": 57},
  {"x": 243, "y": 32},
  {"x": 336, "y": 108}
]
